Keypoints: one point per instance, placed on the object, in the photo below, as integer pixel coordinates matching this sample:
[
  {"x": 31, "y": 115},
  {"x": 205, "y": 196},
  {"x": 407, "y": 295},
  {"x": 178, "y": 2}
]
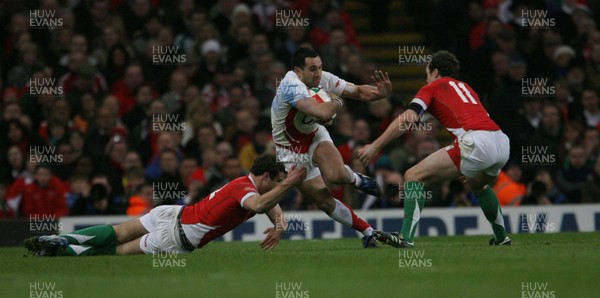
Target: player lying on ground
[
  {"x": 184, "y": 228},
  {"x": 479, "y": 151},
  {"x": 300, "y": 138}
]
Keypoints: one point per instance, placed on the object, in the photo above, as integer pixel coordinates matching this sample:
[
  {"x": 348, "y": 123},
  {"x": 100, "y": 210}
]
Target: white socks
[
  {"x": 353, "y": 176},
  {"x": 341, "y": 214}
]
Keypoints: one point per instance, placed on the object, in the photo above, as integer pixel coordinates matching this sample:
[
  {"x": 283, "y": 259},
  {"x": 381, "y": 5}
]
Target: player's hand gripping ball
[{"x": 321, "y": 96}]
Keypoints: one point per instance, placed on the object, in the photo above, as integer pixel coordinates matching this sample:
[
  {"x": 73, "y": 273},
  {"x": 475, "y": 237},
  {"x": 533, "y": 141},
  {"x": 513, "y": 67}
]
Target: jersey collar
[{"x": 251, "y": 180}]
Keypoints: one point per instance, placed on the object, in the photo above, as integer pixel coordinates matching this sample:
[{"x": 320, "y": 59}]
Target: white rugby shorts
[
  {"x": 163, "y": 231},
  {"x": 480, "y": 151}
]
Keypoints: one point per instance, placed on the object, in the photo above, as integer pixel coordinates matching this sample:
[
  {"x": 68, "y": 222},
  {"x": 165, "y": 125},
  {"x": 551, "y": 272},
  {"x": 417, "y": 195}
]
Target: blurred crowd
[{"x": 96, "y": 121}]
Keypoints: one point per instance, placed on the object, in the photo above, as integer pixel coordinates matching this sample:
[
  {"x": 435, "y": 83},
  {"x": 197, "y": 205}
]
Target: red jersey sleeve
[
  {"x": 424, "y": 96},
  {"x": 242, "y": 190}
]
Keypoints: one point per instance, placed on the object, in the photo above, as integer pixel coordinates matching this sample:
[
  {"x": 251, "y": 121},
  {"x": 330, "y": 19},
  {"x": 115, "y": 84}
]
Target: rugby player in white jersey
[{"x": 301, "y": 138}]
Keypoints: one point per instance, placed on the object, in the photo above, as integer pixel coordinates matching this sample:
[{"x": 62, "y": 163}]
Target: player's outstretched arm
[
  {"x": 382, "y": 88},
  {"x": 276, "y": 217},
  {"x": 393, "y": 131},
  {"x": 265, "y": 202},
  {"x": 274, "y": 233}
]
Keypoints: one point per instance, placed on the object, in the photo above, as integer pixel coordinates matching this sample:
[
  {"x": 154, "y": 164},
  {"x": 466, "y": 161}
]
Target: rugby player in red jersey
[
  {"x": 479, "y": 151},
  {"x": 182, "y": 229}
]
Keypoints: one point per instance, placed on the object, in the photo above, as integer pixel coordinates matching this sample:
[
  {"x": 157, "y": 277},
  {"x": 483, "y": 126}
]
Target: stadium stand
[{"x": 105, "y": 100}]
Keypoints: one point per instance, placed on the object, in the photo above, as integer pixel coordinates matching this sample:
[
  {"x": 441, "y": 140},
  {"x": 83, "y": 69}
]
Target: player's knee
[
  {"x": 337, "y": 176},
  {"x": 120, "y": 233},
  {"x": 325, "y": 202},
  {"x": 413, "y": 175},
  {"x": 476, "y": 189},
  {"x": 478, "y": 186},
  {"x": 326, "y": 206},
  {"x": 480, "y": 182}
]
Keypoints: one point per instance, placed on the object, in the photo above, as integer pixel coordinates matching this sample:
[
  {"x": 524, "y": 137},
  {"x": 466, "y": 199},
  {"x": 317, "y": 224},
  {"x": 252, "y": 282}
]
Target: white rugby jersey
[{"x": 291, "y": 127}]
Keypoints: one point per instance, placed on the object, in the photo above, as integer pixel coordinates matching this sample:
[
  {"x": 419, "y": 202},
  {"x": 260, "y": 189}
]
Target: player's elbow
[
  {"x": 324, "y": 118},
  {"x": 260, "y": 209},
  {"x": 324, "y": 115}
]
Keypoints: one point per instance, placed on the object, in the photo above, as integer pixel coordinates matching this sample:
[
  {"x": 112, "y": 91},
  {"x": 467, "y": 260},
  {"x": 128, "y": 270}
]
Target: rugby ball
[{"x": 321, "y": 96}]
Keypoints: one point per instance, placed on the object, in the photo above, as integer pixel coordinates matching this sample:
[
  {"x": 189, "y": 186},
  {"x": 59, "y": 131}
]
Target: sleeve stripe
[
  {"x": 420, "y": 102},
  {"x": 246, "y": 197}
]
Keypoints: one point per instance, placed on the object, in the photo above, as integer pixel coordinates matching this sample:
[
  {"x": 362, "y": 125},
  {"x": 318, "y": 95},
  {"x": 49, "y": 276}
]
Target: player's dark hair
[
  {"x": 267, "y": 163},
  {"x": 446, "y": 64},
  {"x": 300, "y": 55}
]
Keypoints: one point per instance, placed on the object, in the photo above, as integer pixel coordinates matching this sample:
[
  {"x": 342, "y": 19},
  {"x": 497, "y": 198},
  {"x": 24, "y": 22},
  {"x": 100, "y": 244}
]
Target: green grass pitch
[{"x": 566, "y": 264}]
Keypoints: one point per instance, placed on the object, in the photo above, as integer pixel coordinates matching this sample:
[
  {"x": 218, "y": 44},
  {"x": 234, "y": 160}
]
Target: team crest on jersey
[{"x": 304, "y": 123}]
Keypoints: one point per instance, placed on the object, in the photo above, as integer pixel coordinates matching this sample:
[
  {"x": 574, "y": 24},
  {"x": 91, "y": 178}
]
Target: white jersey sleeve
[
  {"x": 333, "y": 83},
  {"x": 291, "y": 89}
]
